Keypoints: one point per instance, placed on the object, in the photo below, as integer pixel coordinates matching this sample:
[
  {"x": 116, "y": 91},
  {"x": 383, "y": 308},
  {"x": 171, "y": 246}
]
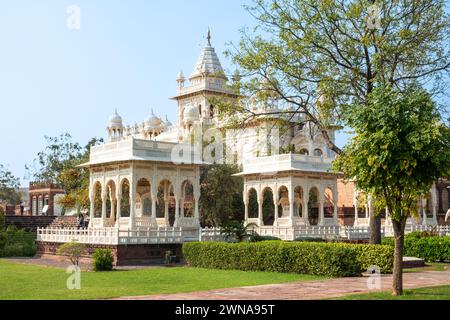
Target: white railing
[
  {"x": 114, "y": 236},
  {"x": 166, "y": 235},
  {"x": 106, "y": 236},
  {"x": 151, "y": 236},
  {"x": 324, "y": 232},
  {"x": 440, "y": 230},
  {"x": 211, "y": 235},
  {"x": 283, "y": 233}
]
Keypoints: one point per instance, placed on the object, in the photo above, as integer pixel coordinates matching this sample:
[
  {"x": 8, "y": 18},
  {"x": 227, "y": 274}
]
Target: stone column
[
  {"x": 434, "y": 203},
  {"x": 291, "y": 205},
  {"x": 305, "y": 208},
  {"x": 153, "y": 217},
  {"x": 321, "y": 211},
  {"x": 91, "y": 209},
  {"x": 118, "y": 203},
  {"x": 104, "y": 199},
  {"x": 424, "y": 212},
  {"x": 133, "y": 186},
  {"x": 196, "y": 208},
  {"x": 355, "y": 202},
  {"x": 260, "y": 211},
  {"x": 335, "y": 204},
  {"x": 177, "y": 211},
  {"x": 275, "y": 202}
]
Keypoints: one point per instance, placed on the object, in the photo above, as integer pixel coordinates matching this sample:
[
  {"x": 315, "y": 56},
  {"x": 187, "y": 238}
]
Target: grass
[
  {"x": 30, "y": 282},
  {"x": 432, "y": 293},
  {"x": 428, "y": 267}
]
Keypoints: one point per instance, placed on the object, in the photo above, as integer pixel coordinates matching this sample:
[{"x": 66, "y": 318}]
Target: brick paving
[{"x": 308, "y": 290}]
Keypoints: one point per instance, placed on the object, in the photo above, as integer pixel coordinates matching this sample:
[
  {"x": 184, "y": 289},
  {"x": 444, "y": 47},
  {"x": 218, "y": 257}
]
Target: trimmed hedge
[
  {"x": 431, "y": 249},
  {"x": 327, "y": 259}
]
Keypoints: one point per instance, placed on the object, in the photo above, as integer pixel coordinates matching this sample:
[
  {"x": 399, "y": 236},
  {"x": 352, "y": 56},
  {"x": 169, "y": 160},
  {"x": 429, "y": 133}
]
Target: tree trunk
[
  {"x": 375, "y": 229},
  {"x": 399, "y": 234}
]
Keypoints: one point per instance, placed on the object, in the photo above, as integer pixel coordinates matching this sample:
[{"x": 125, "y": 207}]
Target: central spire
[
  {"x": 208, "y": 37},
  {"x": 208, "y": 63}
]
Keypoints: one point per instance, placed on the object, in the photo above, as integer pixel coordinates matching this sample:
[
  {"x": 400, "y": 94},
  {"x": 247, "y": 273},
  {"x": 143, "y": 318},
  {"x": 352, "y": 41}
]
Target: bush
[
  {"x": 327, "y": 259},
  {"x": 2, "y": 218},
  {"x": 17, "y": 243},
  {"x": 422, "y": 245},
  {"x": 309, "y": 239},
  {"x": 103, "y": 260},
  {"x": 258, "y": 238}
]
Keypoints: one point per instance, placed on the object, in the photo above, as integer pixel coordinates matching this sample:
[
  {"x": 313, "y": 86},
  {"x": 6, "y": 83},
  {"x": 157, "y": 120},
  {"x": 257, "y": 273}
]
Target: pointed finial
[
  {"x": 115, "y": 111},
  {"x": 208, "y": 37}
]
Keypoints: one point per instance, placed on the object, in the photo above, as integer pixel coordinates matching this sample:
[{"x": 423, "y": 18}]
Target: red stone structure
[{"x": 42, "y": 195}]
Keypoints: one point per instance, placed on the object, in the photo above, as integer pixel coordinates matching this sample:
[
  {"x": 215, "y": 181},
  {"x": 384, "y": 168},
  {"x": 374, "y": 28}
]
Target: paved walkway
[{"x": 308, "y": 290}]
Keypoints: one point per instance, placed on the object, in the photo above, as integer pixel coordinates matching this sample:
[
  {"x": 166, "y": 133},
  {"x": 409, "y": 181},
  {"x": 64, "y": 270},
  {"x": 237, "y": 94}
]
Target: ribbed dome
[
  {"x": 115, "y": 119},
  {"x": 153, "y": 121},
  {"x": 190, "y": 113}
]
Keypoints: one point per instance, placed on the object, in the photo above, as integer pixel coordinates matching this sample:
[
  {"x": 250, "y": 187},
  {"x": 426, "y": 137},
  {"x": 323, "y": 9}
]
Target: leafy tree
[
  {"x": 9, "y": 185},
  {"x": 57, "y": 156},
  {"x": 58, "y": 165},
  {"x": 73, "y": 250},
  {"x": 75, "y": 180},
  {"x": 400, "y": 148},
  {"x": 318, "y": 56},
  {"x": 221, "y": 194}
]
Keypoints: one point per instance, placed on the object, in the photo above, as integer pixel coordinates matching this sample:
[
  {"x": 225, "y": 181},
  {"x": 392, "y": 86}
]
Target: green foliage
[
  {"x": 258, "y": 238},
  {"x": 73, "y": 250},
  {"x": 303, "y": 50},
  {"x": 429, "y": 248},
  {"x": 17, "y": 243},
  {"x": 58, "y": 165},
  {"x": 237, "y": 231},
  {"x": 2, "y": 218},
  {"x": 103, "y": 260},
  {"x": 328, "y": 259},
  {"x": 309, "y": 239},
  {"x": 399, "y": 150},
  {"x": 8, "y": 187},
  {"x": 221, "y": 195}
]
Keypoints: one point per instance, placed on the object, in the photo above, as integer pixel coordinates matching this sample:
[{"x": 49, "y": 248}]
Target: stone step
[{"x": 413, "y": 262}]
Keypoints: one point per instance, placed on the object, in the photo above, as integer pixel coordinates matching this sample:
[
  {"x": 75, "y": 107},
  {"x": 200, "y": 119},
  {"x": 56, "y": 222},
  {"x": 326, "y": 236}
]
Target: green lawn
[
  {"x": 434, "y": 266},
  {"x": 433, "y": 293},
  {"x": 23, "y": 281}
]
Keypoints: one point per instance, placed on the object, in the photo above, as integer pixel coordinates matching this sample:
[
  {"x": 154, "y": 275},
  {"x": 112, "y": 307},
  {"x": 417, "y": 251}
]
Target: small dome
[
  {"x": 190, "y": 113},
  {"x": 115, "y": 119},
  {"x": 153, "y": 121},
  {"x": 180, "y": 76}
]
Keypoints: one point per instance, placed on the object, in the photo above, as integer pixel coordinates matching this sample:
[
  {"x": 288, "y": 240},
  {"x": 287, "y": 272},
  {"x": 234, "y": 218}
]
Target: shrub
[
  {"x": 17, "y": 243},
  {"x": 258, "y": 238},
  {"x": 422, "y": 245},
  {"x": 309, "y": 239},
  {"x": 103, "y": 260},
  {"x": 2, "y": 218},
  {"x": 328, "y": 259}
]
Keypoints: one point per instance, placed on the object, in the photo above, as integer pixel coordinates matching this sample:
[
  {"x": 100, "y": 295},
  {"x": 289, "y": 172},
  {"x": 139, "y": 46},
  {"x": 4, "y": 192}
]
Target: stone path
[{"x": 308, "y": 290}]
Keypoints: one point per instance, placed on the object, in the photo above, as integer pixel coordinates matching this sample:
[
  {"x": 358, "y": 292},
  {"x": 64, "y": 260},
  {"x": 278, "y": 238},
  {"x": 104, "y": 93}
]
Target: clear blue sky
[{"x": 126, "y": 56}]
